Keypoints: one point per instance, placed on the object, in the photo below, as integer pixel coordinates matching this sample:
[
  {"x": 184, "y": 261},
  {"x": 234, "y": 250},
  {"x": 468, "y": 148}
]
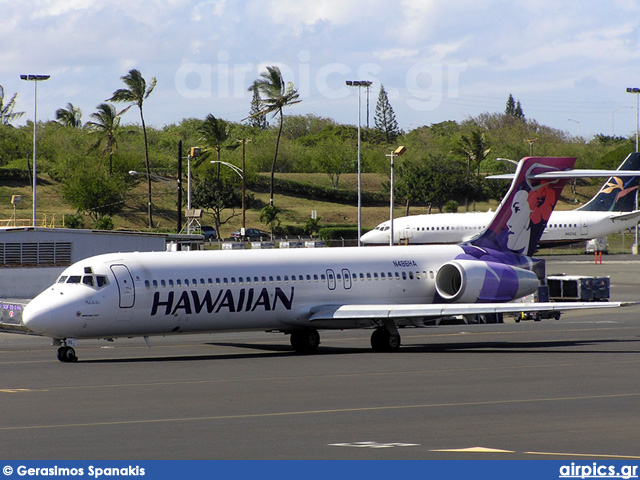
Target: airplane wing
[{"x": 394, "y": 311}]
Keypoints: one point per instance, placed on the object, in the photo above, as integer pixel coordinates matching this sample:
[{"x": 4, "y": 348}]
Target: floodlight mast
[
  {"x": 35, "y": 79},
  {"x": 359, "y": 83}
]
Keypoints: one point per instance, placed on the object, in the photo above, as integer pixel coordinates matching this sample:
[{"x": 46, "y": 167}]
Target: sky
[{"x": 567, "y": 62}]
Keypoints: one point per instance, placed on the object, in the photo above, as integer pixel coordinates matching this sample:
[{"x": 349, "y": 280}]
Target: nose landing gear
[{"x": 67, "y": 354}]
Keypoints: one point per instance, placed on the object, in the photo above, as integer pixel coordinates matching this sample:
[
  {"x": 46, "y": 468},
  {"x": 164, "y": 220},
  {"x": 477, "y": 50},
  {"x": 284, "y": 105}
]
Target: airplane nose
[
  {"x": 373, "y": 237},
  {"x": 34, "y": 317}
]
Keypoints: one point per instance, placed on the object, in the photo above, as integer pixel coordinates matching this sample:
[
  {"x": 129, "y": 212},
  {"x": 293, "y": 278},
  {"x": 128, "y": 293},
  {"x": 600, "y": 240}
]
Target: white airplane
[
  {"x": 611, "y": 210},
  {"x": 298, "y": 292}
]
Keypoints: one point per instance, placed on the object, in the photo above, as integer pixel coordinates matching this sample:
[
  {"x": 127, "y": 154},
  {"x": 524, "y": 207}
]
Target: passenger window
[
  {"x": 163, "y": 284},
  {"x": 171, "y": 282},
  {"x": 155, "y": 284}
]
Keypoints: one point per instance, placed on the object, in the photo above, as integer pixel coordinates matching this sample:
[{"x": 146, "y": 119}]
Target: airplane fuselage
[
  {"x": 563, "y": 227},
  {"x": 162, "y": 293}
]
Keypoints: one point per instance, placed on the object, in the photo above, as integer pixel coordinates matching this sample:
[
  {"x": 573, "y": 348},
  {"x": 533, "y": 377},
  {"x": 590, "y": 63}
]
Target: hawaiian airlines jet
[
  {"x": 299, "y": 292},
  {"x": 611, "y": 210}
]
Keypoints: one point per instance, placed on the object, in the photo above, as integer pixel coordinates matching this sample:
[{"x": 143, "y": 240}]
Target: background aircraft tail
[
  {"x": 618, "y": 194},
  {"x": 523, "y": 214}
]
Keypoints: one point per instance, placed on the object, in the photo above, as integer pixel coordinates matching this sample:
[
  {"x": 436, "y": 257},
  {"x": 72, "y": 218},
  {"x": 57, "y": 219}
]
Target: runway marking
[
  {"x": 551, "y": 454},
  {"x": 15, "y": 390},
  {"x": 373, "y": 445},
  {"x": 623, "y": 457},
  {"x": 473, "y": 450},
  {"x": 317, "y": 412}
]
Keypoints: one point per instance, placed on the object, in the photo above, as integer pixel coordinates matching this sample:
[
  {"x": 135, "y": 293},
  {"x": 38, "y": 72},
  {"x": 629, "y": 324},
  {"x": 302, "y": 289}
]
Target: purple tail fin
[{"x": 522, "y": 216}]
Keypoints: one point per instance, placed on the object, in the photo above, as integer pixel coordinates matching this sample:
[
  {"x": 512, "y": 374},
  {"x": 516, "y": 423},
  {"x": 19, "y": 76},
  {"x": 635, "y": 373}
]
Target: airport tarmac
[{"x": 567, "y": 389}]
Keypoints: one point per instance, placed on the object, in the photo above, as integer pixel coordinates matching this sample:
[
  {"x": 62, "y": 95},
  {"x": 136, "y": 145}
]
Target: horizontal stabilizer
[{"x": 571, "y": 174}]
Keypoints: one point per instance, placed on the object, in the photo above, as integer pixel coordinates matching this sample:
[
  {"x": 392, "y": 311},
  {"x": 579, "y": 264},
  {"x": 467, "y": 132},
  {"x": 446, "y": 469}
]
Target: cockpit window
[{"x": 98, "y": 281}]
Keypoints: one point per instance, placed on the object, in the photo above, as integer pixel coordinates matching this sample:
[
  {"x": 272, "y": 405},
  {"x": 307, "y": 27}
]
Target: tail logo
[
  {"x": 530, "y": 210},
  {"x": 618, "y": 184}
]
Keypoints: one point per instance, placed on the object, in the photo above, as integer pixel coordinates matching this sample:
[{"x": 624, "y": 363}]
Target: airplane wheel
[
  {"x": 67, "y": 354},
  {"x": 383, "y": 341},
  {"x": 305, "y": 341}
]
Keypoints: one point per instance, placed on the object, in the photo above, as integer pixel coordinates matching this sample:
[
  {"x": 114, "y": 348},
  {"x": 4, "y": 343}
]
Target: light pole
[
  {"x": 35, "y": 79},
  {"x": 240, "y": 173},
  {"x": 194, "y": 152},
  {"x": 395, "y": 153},
  {"x": 244, "y": 208},
  {"x": 576, "y": 122},
  {"x": 531, "y": 141},
  {"x": 636, "y": 90},
  {"x": 359, "y": 83}
]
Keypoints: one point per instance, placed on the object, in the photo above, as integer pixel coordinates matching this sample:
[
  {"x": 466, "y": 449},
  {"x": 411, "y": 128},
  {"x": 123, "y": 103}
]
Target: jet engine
[{"x": 476, "y": 281}]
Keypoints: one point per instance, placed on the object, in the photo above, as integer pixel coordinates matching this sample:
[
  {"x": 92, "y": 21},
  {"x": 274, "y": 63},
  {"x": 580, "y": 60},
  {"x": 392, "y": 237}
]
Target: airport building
[{"x": 32, "y": 258}]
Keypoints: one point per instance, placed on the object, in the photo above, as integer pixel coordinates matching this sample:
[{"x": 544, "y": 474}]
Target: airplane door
[
  {"x": 126, "y": 289},
  {"x": 584, "y": 226},
  {"x": 331, "y": 279},
  {"x": 346, "y": 278}
]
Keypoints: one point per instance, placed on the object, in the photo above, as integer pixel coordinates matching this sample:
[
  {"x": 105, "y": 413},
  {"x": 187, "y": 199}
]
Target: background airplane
[
  {"x": 298, "y": 292},
  {"x": 611, "y": 210}
]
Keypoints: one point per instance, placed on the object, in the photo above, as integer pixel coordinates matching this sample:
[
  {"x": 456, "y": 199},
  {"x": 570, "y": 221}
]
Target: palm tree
[
  {"x": 473, "y": 148},
  {"x": 6, "y": 110},
  {"x": 136, "y": 93},
  {"x": 106, "y": 125},
  {"x": 70, "y": 116},
  {"x": 274, "y": 96},
  {"x": 215, "y": 132}
]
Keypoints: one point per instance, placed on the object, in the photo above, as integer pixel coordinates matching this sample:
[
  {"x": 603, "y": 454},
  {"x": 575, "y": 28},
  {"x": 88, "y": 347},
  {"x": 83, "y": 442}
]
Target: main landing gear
[
  {"x": 305, "y": 341},
  {"x": 383, "y": 339}
]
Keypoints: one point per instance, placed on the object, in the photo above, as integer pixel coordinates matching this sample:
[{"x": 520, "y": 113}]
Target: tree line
[{"x": 445, "y": 162}]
